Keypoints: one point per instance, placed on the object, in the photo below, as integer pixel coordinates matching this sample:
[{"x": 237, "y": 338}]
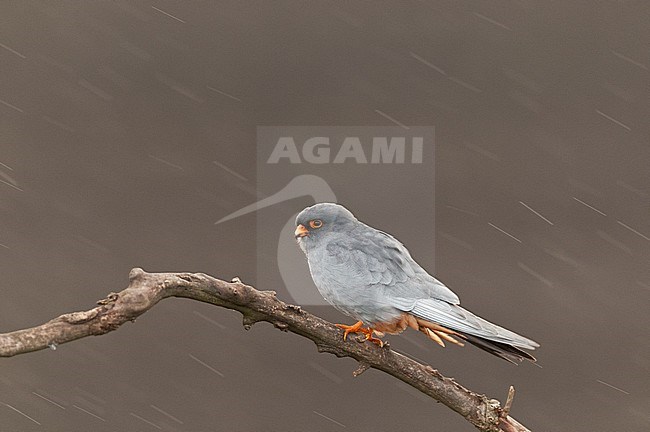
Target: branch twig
[{"x": 147, "y": 289}]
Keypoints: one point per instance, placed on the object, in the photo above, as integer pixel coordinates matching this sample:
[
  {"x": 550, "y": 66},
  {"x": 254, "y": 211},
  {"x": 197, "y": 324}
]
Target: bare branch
[
  {"x": 508, "y": 405},
  {"x": 147, "y": 289}
]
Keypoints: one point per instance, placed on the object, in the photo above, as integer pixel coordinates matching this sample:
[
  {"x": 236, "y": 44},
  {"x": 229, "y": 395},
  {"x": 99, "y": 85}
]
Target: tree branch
[{"x": 147, "y": 289}]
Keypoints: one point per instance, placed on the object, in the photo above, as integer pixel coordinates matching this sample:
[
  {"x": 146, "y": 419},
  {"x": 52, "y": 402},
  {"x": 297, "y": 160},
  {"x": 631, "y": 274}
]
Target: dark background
[{"x": 112, "y": 113}]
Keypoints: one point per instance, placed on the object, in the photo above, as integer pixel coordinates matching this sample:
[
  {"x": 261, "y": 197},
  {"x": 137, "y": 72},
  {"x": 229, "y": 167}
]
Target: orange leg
[
  {"x": 368, "y": 332},
  {"x": 354, "y": 328},
  {"x": 358, "y": 328}
]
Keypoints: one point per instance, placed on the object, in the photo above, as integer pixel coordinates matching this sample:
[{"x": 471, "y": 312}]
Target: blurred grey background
[{"x": 111, "y": 117}]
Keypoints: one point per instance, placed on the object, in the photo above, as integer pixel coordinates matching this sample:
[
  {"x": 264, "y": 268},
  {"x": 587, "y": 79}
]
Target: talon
[
  {"x": 354, "y": 328},
  {"x": 368, "y": 336},
  {"x": 374, "y": 340},
  {"x": 358, "y": 328}
]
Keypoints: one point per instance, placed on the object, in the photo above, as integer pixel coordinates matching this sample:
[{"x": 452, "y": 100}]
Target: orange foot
[
  {"x": 354, "y": 328},
  {"x": 358, "y": 328}
]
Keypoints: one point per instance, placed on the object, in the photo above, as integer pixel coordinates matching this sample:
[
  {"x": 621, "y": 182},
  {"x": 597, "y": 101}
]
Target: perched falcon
[{"x": 370, "y": 276}]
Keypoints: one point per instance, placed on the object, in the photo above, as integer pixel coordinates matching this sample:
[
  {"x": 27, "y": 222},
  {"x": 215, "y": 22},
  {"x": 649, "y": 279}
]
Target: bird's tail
[
  {"x": 440, "y": 320},
  {"x": 507, "y": 352},
  {"x": 503, "y": 350}
]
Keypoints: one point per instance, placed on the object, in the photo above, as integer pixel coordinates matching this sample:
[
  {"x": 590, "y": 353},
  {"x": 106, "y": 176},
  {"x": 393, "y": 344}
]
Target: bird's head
[{"x": 320, "y": 220}]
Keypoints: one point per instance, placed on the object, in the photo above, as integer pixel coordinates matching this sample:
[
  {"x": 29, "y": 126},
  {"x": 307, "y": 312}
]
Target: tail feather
[
  {"x": 454, "y": 320},
  {"x": 507, "y": 352},
  {"x": 463, "y": 321},
  {"x": 503, "y": 350}
]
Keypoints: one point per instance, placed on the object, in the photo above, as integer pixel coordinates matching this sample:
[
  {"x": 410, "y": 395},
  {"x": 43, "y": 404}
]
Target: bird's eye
[{"x": 316, "y": 223}]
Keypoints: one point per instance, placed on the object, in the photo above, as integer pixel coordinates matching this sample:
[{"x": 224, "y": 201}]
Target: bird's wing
[{"x": 382, "y": 261}]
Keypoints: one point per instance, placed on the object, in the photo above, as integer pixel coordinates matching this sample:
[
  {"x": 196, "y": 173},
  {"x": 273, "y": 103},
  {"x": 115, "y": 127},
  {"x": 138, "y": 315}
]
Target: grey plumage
[{"x": 370, "y": 276}]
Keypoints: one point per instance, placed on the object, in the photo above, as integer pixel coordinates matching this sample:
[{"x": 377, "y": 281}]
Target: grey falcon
[{"x": 370, "y": 276}]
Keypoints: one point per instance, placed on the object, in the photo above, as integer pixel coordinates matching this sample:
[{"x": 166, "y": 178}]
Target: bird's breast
[{"x": 346, "y": 288}]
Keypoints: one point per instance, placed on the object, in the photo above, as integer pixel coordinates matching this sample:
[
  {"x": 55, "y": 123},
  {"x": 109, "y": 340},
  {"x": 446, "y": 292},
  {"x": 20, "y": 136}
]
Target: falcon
[{"x": 370, "y": 276}]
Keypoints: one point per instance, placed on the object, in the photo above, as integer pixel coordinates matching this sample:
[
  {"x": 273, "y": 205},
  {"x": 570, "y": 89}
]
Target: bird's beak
[{"x": 301, "y": 231}]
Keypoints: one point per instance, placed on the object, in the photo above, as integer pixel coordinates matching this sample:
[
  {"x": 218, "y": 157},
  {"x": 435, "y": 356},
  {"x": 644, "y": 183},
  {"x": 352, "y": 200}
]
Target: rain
[{"x": 129, "y": 128}]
